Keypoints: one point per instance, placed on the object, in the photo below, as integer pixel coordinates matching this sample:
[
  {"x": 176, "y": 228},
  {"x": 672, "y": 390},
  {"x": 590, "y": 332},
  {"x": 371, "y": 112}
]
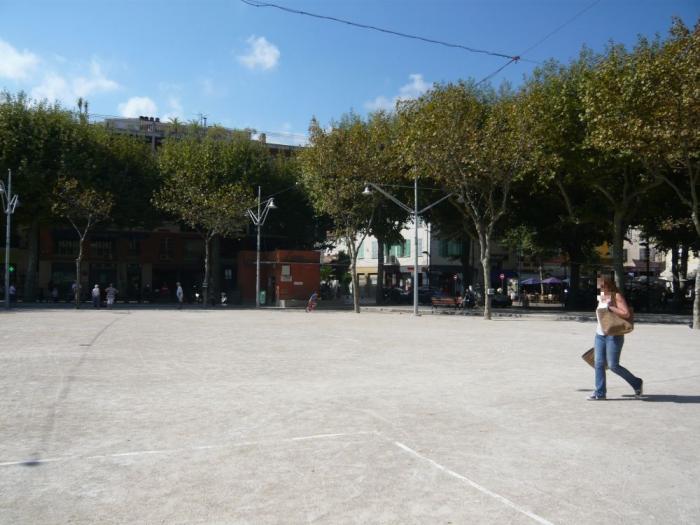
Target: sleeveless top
[{"x": 601, "y": 306}]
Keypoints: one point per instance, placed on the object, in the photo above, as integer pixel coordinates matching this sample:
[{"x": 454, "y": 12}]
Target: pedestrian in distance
[
  {"x": 96, "y": 296},
  {"x": 13, "y": 293},
  {"x": 180, "y": 296},
  {"x": 111, "y": 292},
  {"x": 311, "y": 305},
  {"x": 607, "y": 348}
]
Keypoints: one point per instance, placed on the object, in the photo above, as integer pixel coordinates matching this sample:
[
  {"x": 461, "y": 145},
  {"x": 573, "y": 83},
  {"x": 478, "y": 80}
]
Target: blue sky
[{"x": 272, "y": 71}]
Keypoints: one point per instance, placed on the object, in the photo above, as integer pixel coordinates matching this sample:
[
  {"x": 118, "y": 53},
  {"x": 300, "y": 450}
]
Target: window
[
  {"x": 228, "y": 274},
  {"x": 194, "y": 249},
  {"x": 452, "y": 249},
  {"x": 624, "y": 255},
  {"x": 67, "y": 247},
  {"x": 420, "y": 246},
  {"x": 361, "y": 250},
  {"x": 134, "y": 246},
  {"x": 402, "y": 249},
  {"x": 166, "y": 248},
  {"x": 375, "y": 250},
  {"x": 643, "y": 253},
  {"x": 101, "y": 249}
]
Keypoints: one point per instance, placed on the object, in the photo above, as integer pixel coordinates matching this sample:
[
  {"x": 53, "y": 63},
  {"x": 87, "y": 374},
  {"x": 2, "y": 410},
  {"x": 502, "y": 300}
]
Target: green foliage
[
  {"x": 207, "y": 183},
  {"x": 335, "y": 169},
  {"x": 82, "y": 206}
]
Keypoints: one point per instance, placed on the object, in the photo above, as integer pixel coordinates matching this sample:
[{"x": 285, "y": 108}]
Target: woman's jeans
[{"x": 608, "y": 348}]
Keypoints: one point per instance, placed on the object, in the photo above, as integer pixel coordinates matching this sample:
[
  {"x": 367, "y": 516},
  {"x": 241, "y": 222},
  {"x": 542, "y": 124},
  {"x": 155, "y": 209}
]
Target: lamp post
[
  {"x": 9, "y": 203},
  {"x": 258, "y": 219},
  {"x": 415, "y": 213}
]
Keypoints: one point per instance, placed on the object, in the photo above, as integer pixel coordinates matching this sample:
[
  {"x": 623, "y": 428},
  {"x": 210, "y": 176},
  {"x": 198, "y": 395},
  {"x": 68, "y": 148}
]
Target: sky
[{"x": 262, "y": 68}]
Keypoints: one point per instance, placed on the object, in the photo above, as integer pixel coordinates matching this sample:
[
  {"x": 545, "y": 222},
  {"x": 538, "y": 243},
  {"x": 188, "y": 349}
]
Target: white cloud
[
  {"x": 95, "y": 83},
  {"x": 174, "y": 109},
  {"x": 414, "y": 89},
  {"x": 137, "y": 106},
  {"x": 55, "y": 87},
  {"x": 261, "y": 54},
  {"x": 16, "y": 65}
]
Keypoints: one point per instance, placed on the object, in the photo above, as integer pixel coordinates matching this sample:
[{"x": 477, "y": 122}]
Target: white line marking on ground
[
  {"x": 186, "y": 449},
  {"x": 474, "y": 484}
]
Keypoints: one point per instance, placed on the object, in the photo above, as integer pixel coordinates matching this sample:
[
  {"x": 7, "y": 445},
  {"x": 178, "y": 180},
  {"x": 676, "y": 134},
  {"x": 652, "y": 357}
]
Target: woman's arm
[{"x": 619, "y": 306}]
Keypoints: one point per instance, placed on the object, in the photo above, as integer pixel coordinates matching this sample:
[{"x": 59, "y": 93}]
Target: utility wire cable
[
  {"x": 533, "y": 46},
  {"x": 490, "y": 76},
  {"x": 255, "y": 3}
]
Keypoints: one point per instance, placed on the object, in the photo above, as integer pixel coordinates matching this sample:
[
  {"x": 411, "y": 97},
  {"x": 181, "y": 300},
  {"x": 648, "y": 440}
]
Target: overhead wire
[
  {"x": 255, "y": 3},
  {"x": 540, "y": 41}
]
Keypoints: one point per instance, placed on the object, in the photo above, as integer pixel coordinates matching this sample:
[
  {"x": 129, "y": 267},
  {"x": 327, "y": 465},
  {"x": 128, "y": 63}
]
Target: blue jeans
[{"x": 608, "y": 348}]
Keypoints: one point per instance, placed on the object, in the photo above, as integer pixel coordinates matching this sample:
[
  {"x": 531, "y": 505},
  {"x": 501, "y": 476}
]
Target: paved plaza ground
[{"x": 243, "y": 416}]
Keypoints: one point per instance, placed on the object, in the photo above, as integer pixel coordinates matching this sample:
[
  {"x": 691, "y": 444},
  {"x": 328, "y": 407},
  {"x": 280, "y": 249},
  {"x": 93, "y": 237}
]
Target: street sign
[{"x": 503, "y": 276}]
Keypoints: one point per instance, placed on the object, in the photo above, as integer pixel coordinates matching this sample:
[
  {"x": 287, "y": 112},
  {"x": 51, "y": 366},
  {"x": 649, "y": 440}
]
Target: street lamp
[
  {"x": 415, "y": 213},
  {"x": 258, "y": 219},
  {"x": 9, "y": 203}
]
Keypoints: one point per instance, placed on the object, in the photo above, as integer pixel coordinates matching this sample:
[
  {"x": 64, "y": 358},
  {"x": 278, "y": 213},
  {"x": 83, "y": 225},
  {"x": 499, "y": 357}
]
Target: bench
[{"x": 454, "y": 302}]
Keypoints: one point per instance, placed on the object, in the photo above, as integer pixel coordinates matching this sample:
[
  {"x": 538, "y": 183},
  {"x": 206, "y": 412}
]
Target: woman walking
[{"x": 609, "y": 347}]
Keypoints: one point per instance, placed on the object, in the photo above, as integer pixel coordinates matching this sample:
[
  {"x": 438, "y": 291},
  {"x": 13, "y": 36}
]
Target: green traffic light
[{"x": 12, "y": 268}]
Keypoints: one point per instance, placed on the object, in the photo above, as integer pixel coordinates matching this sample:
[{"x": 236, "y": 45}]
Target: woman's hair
[{"x": 609, "y": 284}]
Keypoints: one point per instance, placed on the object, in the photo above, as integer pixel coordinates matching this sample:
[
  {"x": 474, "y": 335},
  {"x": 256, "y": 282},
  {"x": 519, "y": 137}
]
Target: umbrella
[
  {"x": 551, "y": 280},
  {"x": 531, "y": 280}
]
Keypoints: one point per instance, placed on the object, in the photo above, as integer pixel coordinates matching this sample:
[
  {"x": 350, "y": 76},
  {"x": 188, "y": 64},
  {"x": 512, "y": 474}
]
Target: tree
[
  {"x": 611, "y": 97},
  {"x": 83, "y": 207},
  {"x": 472, "y": 142},
  {"x": 560, "y": 182},
  {"x": 34, "y": 140},
  {"x": 645, "y": 104},
  {"x": 335, "y": 168},
  {"x": 206, "y": 187}
]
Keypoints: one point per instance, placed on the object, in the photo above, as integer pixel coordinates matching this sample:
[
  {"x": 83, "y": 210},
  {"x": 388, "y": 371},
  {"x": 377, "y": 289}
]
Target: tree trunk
[
  {"x": 353, "y": 276},
  {"x": 485, "y": 257},
  {"x": 78, "y": 262},
  {"x": 205, "y": 283},
  {"x": 541, "y": 283},
  {"x": 675, "y": 273},
  {"x": 32, "y": 259},
  {"x": 618, "y": 243},
  {"x": 683, "y": 270},
  {"x": 696, "y": 302},
  {"x": 380, "y": 271},
  {"x": 215, "y": 294}
]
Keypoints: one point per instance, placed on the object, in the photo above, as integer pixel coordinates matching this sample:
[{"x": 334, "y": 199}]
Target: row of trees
[
  {"x": 576, "y": 156},
  {"x": 91, "y": 177}
]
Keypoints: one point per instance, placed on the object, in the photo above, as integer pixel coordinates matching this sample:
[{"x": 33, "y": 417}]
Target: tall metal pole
[
  {"x": 415, "y": 246},
  {"x": 8, "y": 214},
  {"x": 257, "y": 259}
]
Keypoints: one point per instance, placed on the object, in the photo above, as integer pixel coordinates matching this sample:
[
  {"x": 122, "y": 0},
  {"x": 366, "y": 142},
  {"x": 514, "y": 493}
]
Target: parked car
[
  {"x": 398, "y": 296},
  {"x": 501, "y": 300},
  {"x": 425, "y": 294}
]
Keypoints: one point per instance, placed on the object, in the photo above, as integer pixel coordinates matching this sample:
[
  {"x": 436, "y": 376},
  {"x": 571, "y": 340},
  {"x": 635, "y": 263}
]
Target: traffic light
[{"x": 12, "y": 268}]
